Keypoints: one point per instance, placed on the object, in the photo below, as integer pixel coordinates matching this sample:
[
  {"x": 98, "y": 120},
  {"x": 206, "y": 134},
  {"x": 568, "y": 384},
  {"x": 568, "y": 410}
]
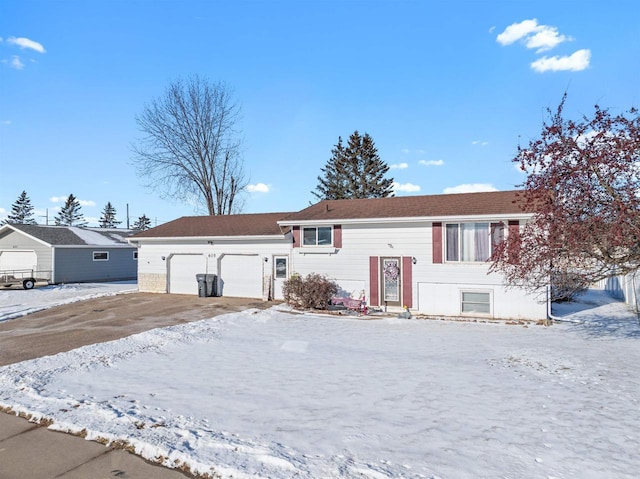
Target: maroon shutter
[
  {"x": 514, "y": 226},
  {"x": 407, "y": 287},
  {"x": 337, "y": 236},
  {"x": 436, "y": 237},
  {"x": 296, "y": 236},
  {"x": 374, "y": 298}
]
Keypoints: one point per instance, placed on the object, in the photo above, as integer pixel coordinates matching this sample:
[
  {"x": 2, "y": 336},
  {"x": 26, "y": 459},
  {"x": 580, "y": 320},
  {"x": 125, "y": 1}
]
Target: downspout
[{"x": 550, "y": 315}]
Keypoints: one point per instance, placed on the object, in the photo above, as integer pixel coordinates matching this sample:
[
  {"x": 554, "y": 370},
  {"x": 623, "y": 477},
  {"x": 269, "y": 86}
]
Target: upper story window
[
  {"x": 472, "y": 242},
  {"x": 317, "y": 236}
]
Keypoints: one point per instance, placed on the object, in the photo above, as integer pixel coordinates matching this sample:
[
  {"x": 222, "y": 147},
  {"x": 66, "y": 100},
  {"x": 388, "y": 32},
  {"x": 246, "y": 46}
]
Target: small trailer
[{"x": 26, "y": 277}]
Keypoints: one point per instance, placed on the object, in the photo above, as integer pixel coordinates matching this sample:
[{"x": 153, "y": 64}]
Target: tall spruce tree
[
  {"x": 21, "y": 212},
  {"x": 70, "y": 214},
  {"x": 143, "y": 223},
  {"x": 108, "y": 218},
  {"x": 354, "y": 171}
]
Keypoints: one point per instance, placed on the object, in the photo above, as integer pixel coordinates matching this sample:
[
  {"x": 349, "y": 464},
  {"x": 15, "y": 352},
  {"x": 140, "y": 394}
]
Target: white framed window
[
  {"x": 475, "y": 302},
  {"x": 100, "y": 256},
  {"x": 317, "y": 236},
  {"x": 471, "y": 242}
]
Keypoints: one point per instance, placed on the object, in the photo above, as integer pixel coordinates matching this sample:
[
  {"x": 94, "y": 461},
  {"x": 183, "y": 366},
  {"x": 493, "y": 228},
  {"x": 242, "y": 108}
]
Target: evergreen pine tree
[
  {"x": 143, "y": 223},
  {"x": 21, "y": 212},
  {"x": 108, "y": 218},
  {"x": 70, "y": 214},
  {"x": 354, "y": 171}
]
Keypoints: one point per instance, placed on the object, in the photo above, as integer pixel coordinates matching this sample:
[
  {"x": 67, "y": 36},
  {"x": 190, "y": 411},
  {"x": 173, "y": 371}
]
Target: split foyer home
[
  {"x": 428, "y": 253},
  {"x": 66, "y": 254}
]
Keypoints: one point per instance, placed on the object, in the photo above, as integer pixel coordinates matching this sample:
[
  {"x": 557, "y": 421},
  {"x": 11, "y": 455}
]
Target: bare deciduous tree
[{"x": 191, "y": 148}]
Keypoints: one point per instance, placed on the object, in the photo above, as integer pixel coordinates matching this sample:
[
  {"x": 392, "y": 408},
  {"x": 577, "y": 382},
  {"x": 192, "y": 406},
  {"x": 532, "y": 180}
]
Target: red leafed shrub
[{"x": 312, "y": 292}]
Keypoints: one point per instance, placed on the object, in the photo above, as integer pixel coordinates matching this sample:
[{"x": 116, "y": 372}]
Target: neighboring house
[
  {"x": 428, "y": 253},
  {"x": 242, "y": 250},
  {"x": 69, "y": 254}
]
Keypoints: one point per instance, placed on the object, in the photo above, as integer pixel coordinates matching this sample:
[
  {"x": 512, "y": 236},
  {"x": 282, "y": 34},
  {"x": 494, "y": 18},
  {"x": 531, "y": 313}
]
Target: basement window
[
  {"x": 100, "y": 256},
  {"x": 475, "y": 302}
]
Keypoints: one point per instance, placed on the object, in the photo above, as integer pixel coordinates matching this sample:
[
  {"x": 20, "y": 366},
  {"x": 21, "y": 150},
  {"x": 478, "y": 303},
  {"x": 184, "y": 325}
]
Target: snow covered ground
[
  {"x": 279, "y": 395},
  {"x": 15, "y": 303}
]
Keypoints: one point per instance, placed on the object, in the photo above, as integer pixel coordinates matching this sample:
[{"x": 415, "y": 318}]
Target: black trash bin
[
  {"x": 212, "y": 284},
  {"x": 202, "y": 285}
]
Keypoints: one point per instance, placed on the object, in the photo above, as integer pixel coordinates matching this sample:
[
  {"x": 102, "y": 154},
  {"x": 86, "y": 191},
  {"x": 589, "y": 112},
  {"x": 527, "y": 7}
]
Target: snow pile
[
  {"x": 15, "y": 303},
  {"x": 278, "y": 395}
]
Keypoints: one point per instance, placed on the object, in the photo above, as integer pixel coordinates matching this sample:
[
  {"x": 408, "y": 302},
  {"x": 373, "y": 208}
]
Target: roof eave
[
  {"x": 159, "y": 239},
  {"x": 408, "y": 219}
]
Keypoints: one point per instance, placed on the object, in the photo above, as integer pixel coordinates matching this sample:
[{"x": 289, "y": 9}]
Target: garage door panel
[
  {"x": 13, "y": 260},
  {"x": 182, "y": 273},
  {"x": 241, "y": 276}
]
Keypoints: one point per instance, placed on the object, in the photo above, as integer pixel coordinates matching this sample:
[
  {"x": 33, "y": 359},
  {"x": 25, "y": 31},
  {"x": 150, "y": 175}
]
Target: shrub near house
[{"x": 312, "y": 292}]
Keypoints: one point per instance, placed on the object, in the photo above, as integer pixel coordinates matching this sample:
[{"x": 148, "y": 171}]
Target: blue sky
[{"x": 446, "y": 89}]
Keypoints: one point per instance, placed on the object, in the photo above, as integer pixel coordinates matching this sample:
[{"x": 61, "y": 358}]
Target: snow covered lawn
[
  {"x": 15, "y": 303},
  {"x": 279, "y": 395}
]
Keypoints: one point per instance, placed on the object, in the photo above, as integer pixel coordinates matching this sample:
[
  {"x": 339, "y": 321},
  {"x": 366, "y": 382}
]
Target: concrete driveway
[{"x": 31, "y": 451}]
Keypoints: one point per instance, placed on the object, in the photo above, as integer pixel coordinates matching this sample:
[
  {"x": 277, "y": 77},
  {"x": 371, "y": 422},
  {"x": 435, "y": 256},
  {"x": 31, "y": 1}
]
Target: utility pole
[{"x": 128, "y": 216}]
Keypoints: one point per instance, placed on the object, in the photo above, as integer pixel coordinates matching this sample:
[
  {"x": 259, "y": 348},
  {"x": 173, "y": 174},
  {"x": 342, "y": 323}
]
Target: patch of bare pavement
[
  {"x": 104, "y": 319},
  {"x": 30, "y": 451}
]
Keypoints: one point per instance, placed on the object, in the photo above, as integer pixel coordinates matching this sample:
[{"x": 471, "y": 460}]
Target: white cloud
[
  {"x": 517, "y": 31},
  {"x": 481, "y": 143},
  {"x": 23, "y": 43},
  {"x": 533, "y": 35},
  {"x": 399, "y": 166},
  {"x": 431, "y": 162},
  {"x": 16, "y": 63},
  {"x": 575, "y": 62},
  {"x": 546, "y": 39},
  {"x": 405, "y": 188},
  {"x": 258, "y": 188},
  {"x": 405, "y": 151},
  {"x": 470, "y": 188},
  {"x": 3, "y": 213},
  {"x": 87, "y": 202}
]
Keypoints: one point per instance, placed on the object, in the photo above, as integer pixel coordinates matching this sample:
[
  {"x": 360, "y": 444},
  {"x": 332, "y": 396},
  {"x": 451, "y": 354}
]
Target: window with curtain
[{"x": 468, "y": 242}]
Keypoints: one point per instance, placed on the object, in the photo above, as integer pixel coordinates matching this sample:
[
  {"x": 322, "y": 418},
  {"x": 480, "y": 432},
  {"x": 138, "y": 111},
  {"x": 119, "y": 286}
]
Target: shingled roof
[
  {"x": 74, "y": 236},
  {"x": 463, "y": 204},
  {"x": 258, "y": 224}
]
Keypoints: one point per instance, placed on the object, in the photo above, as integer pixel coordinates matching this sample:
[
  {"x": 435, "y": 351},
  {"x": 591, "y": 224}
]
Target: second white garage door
[
  {"x": 182, "y": 272},
  {"x": 241, "y": 276}
]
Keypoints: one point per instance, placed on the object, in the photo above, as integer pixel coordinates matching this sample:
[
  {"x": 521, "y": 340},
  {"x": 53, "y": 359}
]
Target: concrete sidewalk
[{"x": 28, "y": 451}]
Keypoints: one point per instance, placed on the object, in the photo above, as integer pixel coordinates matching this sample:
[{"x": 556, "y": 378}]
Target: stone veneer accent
[{"x": 152, "y": 283}]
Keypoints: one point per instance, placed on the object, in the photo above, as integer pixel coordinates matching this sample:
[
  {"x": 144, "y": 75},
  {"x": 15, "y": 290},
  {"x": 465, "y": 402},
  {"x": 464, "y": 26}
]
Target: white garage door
[
  {"x": 241, "y": 276},
  {"x": 182, "y": 272},
  {"x": 12, "y": 260}
]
